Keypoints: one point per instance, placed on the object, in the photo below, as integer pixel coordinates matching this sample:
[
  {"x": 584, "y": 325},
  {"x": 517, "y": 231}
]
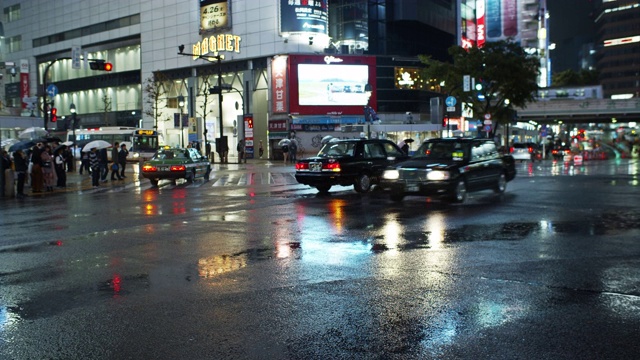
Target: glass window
[
  {"x": 392, "y": 150},
  {"x": 374, "y": 151}
]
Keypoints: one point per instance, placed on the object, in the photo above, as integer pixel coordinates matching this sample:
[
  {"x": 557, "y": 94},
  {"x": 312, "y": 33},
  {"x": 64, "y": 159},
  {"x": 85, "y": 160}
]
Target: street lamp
[{"x": 181, "y": 104}]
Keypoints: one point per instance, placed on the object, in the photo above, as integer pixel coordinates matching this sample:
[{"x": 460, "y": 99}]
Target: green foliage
[{"x": 504, "y": 69}]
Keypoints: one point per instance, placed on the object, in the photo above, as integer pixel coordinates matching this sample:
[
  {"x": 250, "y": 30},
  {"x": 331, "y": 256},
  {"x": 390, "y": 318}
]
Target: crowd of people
[{"x": 45, "y": 166}]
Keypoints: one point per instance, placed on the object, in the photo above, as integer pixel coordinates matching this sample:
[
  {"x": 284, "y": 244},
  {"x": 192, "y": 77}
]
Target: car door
[
  {"x": 375, "y": 158},
  {"x": 476, "y": 171}
]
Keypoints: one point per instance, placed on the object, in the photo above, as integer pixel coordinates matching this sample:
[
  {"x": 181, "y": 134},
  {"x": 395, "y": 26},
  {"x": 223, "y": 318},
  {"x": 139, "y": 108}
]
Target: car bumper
[
  {"x": 172, "y": 175},
  {"x": 328, "y": 178},
  {"x": 428, "y": 188}
]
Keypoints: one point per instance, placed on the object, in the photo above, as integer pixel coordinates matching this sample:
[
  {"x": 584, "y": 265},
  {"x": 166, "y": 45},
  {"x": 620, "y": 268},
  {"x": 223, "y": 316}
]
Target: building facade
[
  {"x": 618, "y": 48},
  {"x": 204, "y": 70}
]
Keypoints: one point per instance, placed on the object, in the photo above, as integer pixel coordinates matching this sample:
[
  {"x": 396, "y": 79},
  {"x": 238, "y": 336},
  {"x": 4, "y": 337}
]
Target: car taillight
[
  {"x": 530, "y": 150},
  {"x": 511, "y": 149},
  {"x": 334, "y": 166},
  {"x": 302, "y": 166},
  {"x": 178, "y": 168},
  {"x": 149, "y": 168}
]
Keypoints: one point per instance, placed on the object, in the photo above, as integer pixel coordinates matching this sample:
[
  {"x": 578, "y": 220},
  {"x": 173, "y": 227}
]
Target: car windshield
[
  {"x": 337, "y": 149},
  {"x": 449, "y": 150},
  {"x": 169, "y": 154}
]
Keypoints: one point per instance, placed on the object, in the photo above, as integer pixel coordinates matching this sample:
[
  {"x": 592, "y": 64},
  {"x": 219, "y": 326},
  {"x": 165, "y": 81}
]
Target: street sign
[
  {"x": 488, "y": 122},
  {"x": 52, "y": 90},
  {"x": 487, "y": 116},
  {"x": 451, "y": 108},
  {"x": 466, "y": 83},
  {"x": 75, "y": 57},
  {"x": 450, "y": 101}
]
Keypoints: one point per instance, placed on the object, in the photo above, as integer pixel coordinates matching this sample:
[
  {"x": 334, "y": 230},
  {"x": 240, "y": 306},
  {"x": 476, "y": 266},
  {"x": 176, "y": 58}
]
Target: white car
[{"x": 524, "y": 151}]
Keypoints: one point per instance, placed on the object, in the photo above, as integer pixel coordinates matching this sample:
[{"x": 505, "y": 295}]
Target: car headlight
[
  {"x": 391, "y": 174},
  {"x": 438, "y": 175}
]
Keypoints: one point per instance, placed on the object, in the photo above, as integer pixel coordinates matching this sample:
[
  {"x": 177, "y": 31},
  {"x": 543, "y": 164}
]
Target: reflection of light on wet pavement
[
  {"x": 337, "y": 214},
  {"x": 392, "y": 232},
  {"x": 216, "y": 265},
  {"x": 435, "y": 227}
]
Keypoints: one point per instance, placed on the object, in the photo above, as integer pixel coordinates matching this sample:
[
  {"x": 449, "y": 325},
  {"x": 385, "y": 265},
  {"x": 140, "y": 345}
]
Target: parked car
[
  {"x": 176, "y": 163},
  {"x": 525, "y": 151},
  {"x": 450, "y": 168},
  {"x": 357, "y": 162}
]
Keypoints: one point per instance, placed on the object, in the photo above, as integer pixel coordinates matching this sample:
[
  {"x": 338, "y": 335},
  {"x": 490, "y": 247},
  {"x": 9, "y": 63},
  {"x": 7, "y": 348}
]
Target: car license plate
[
  {"x": 163, "y": 168},
  {"x": 412, "y": 187},
  {"x": 315, "y": 166}
]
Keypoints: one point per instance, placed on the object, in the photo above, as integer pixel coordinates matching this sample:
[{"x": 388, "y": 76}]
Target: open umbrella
[
  {"x": 326, "y": 139},
  {"x": 284, "y": 142},
  {"x": 32, "y": 133},
  {"x": 98, "y": 144},
  {"x": 68, "y": 143},
  {"x": 408, "y": 141},
  {"x": 22, "y": 145}
]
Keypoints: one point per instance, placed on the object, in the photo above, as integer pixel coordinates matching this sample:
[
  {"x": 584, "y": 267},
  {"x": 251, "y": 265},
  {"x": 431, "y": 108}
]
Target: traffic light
[
  {"x": 444, "y": 122},
  {"x": 54, "y": 114},
  {"x": 101, "y": 65}
]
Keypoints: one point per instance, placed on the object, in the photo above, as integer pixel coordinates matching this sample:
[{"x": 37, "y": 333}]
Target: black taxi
[
  {"x": 357, "y": 162},
  {"x": 176, "y": 163},
  {"x": 450, "y": 168}
]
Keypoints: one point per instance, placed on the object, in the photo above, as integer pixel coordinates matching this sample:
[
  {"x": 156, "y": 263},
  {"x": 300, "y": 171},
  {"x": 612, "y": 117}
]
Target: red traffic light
[
  {"x": 101, "y": 65},
  {"x": 54, "y": 115},
  {"x": 444, "y": 122}
]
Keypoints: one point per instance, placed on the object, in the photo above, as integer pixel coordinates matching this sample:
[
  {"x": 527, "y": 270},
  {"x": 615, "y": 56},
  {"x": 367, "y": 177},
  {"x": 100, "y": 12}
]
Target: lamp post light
[{"x": 181, "y": 104}]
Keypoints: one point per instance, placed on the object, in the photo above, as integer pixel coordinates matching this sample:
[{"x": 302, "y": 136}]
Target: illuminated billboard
[
  {"x": 329, "y": 85},
  {"x": 214, "y": 15},
  {"x": 304, "y": 16}
]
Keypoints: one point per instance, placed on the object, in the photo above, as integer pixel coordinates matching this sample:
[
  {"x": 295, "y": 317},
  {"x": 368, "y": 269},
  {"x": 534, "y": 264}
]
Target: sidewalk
[{"x": 77, "y": 182}]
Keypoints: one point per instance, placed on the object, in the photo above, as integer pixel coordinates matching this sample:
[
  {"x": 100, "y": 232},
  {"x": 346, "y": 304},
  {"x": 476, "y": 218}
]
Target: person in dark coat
[
  {"x": 59, "y": 163},
  {"x": 22, "y": 166},
  {"x": 114, "y": 162},
  {"x": 37, "y": 179},
  {"x": 122, "y": 159}
]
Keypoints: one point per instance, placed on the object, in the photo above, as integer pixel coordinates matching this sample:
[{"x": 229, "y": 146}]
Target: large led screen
[{"x": 331, "y": 85}]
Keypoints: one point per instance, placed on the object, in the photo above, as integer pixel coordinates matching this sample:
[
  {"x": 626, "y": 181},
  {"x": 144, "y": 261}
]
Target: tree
[
  {"x": 505, "y": 73},
  {"x": 203, "y": 91},
  {"x": 155, "y": 90}
]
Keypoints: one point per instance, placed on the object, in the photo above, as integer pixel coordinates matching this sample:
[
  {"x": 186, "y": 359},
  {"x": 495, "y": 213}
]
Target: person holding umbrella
[
  {"x": 37, "y": 181},
  {"x": 94, "y": 163}
]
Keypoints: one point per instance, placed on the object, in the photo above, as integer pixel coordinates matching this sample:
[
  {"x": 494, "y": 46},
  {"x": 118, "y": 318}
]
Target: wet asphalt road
[{"x": 251, "y": 265}]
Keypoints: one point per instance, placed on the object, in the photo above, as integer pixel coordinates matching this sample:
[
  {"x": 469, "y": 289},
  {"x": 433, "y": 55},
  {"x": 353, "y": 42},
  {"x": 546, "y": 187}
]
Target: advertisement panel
[
  {"x": 303, "y": 16},
  {"x": 24, "y": 81},
  {"x": 214, "y": 15},
  {"x": 279, "y": 95},
  {"x": 330, "y": 85}
]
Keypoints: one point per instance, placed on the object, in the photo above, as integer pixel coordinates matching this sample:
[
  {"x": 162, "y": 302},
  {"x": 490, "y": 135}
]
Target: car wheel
[
  {"x": 323, "y": 188},
  {"x": 501, "y": 185},
  {"x": 459, "y": 192},
  {"x": 154, "y": 182},
  {"x": 396, "y": 196},
  {"x": 363, "y": 183}
]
